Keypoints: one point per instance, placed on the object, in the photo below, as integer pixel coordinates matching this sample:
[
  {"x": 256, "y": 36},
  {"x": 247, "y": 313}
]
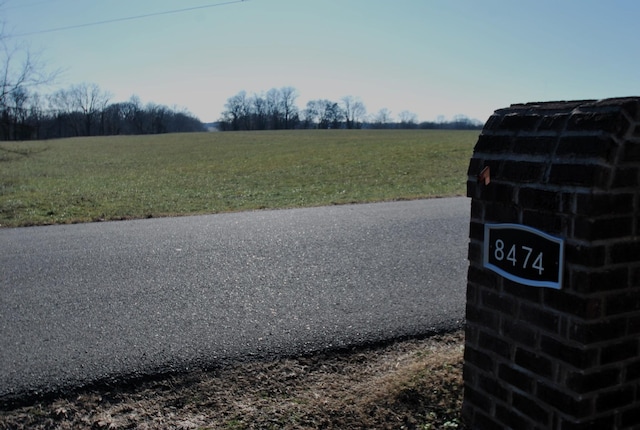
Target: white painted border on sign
[{"x": 515, "y": 278}]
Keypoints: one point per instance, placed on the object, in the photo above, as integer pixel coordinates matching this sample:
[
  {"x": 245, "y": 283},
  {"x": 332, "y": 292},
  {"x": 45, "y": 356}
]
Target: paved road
[{"x": 105, "y": 301}]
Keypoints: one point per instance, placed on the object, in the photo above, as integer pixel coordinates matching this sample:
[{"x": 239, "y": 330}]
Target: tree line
[
  {"x": 80, "y": 110},
  {"x": 276, "y": 109},
  {"x": 85, "y": 110}
]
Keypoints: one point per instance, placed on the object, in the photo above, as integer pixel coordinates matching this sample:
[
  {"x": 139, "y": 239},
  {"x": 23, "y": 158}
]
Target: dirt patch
[{"x": 415, "y": 384}]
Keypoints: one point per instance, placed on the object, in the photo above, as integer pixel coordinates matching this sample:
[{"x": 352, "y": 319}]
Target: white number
[
  {"x": 512, "y": 255},
  {"x": 526, "y": 260},
  {"x": 499, "y": 252},
  {"x": 499, "y": 255},
  {"x": 537, "y": 264}
]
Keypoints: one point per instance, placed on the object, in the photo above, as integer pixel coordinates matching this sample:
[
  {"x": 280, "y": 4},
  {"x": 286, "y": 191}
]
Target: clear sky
[{"x": 429, "y": 57}]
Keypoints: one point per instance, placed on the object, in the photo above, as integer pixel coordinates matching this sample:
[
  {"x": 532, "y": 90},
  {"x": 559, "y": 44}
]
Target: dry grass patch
[{"x": 415, "y": 384}]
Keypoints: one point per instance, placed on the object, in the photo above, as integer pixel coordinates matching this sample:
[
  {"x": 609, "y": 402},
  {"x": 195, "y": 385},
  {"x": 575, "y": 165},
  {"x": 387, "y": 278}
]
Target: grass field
[{"x": 122, "y": 177}]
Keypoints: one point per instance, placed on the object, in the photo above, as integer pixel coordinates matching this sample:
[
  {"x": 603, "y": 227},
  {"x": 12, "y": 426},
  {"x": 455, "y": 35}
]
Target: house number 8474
[
  {"x": 523, "y": 254},
  {"x": 515, "y": 257}
]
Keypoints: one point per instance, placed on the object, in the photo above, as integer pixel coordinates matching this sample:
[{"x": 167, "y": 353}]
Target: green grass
[{"x": 106, "y": 178}]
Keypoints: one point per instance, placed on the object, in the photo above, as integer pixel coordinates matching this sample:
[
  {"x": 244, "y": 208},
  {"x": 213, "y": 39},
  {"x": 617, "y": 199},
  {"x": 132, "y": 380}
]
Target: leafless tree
[
  {"x": 259, "y": 112},
  {"x": 81, "y": 105},
  {"x": 237, "y": 110},
  {"x": 20, "y": 72},
  {"x": 354, "y": 111},
  {"x": 91, "y": 101},
  {"x": 383, "y": 118},
  {"x": 408, "y": 119},
  {"x": 272, "y": 100},
  {"x": 288, "y": 96}
]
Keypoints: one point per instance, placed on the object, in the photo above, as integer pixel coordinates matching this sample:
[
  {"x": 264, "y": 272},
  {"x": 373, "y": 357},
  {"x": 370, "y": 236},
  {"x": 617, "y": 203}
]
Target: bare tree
[
  {"x": 383, "y": 118},
  {"x": 20, "y": 69},
  {"x": 288, "y": 96},
  {"x": 273, "y": 108},
  {"x": 311, "y": 114},
  {"x": 408, "y": 119},
  {"x": 237, "y": 112},
  {"x": 259, "y": 112},
  {"x": 91, "y": 101},
  {"x": 67, "y": 122},
  {"x": 20, "y": 72},
  {"x": 354, "y": 111},
  {"x": 80, "y": 106}
]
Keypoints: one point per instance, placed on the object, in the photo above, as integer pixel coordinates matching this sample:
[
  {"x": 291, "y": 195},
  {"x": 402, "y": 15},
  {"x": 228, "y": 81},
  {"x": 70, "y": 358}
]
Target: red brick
[
  {"x": 551, "y": 358},
  {"x": 554, "y": 122},
  {"x": 619, "y": 351},
  {"x": 573, "y": 304},
  {"x": 502, "y": 213},
  {"x": 585, "y": 175},
  {"x": 499, "y": 302},
  {"x": 596, "y": 332},
  {"x": 593, "y": 281},
  {"x": 497, "y": 193},
  {"x": 626, "y": 177},
  {"x": 589, "y": 256},
  {"x": 516, "y": 121},
  {"x": 531, "y": 407},
  {"x": 477, "y": 398},
  {"x": 577, "y": 407},
  {"x": 552, "y": 223},
  {"x": 625, "y": 252},
  {"x": 492, "y": 387},
  {"x": 630, "y": 419},
  {"x": 600, "y": 423},
  {"x": 633, "y": 372},
  {"x": 602, "y": 228},
  {"x": 536, "y": 363},
  {"x": 534, "y": 145},
  {"x": 541, "y": 318},
  {"x": 616, "y": 399},
  {"x": 585, "y": 382},
  {"x": 477, "y": 358},
  {"x": 518, "y": 332},
  {"x": 539, "y": 200},
  {"x": 494, "y": 344},
  {"x": 624, "y": 302},
  {"x": 493, "y": 144},
  {"x": 631, "y": 152},
  {"x": 598, "y": 204},
  {"x": 611, "y": 121},
  {"x": 595, "y": 147},
  {"x": 523, "y": 292},
  {"x": 521, "y": 171},
  {"x": 510, "y": 419},
  {"x": 516, "y": 377},
  {"x": 576, "y": 356}
]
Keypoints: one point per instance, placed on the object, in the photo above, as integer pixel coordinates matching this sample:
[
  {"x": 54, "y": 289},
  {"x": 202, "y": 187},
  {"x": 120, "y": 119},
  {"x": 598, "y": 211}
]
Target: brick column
[{"x": 547, "y": 358}]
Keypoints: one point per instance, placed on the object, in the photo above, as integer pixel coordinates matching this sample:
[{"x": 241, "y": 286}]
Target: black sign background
[{"x": 511, "y": 238}]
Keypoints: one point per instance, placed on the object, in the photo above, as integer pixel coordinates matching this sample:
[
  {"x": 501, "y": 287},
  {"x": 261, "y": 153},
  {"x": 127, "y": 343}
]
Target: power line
[
  {"x": 23, "y": 5},
  {"x": 128, "y": 18}
]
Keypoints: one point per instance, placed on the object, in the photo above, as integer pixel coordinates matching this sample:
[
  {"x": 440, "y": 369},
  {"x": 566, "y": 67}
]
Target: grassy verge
[
  {"x": 107, "y": 178},
  {"x": 413, "y": 384}
]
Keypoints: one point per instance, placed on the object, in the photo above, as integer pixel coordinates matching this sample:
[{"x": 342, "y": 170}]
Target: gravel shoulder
[{"x": 411, "y": 384}]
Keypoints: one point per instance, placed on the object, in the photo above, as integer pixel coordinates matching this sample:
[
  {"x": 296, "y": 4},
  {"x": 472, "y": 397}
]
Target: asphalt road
[{"x": 93, "y": 303}]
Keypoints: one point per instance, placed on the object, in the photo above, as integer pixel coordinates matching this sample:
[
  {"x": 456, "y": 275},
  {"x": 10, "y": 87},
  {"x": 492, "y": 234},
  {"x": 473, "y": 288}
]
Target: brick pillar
[{"x": 563, "y": 357}]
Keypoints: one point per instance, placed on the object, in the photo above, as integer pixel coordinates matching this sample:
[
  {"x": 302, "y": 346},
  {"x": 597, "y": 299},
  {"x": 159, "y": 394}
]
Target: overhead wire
[
  {"x": 128, "y": 18},
  {"x": 23, "y": 5}
]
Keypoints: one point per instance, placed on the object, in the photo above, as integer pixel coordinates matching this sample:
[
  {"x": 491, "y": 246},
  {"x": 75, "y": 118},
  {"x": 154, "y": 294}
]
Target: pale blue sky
[{"x": 425, "y": 56}]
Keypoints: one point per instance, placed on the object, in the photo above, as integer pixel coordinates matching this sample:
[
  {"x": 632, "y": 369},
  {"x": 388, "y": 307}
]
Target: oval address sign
[{"x": 524, "y": 254}]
